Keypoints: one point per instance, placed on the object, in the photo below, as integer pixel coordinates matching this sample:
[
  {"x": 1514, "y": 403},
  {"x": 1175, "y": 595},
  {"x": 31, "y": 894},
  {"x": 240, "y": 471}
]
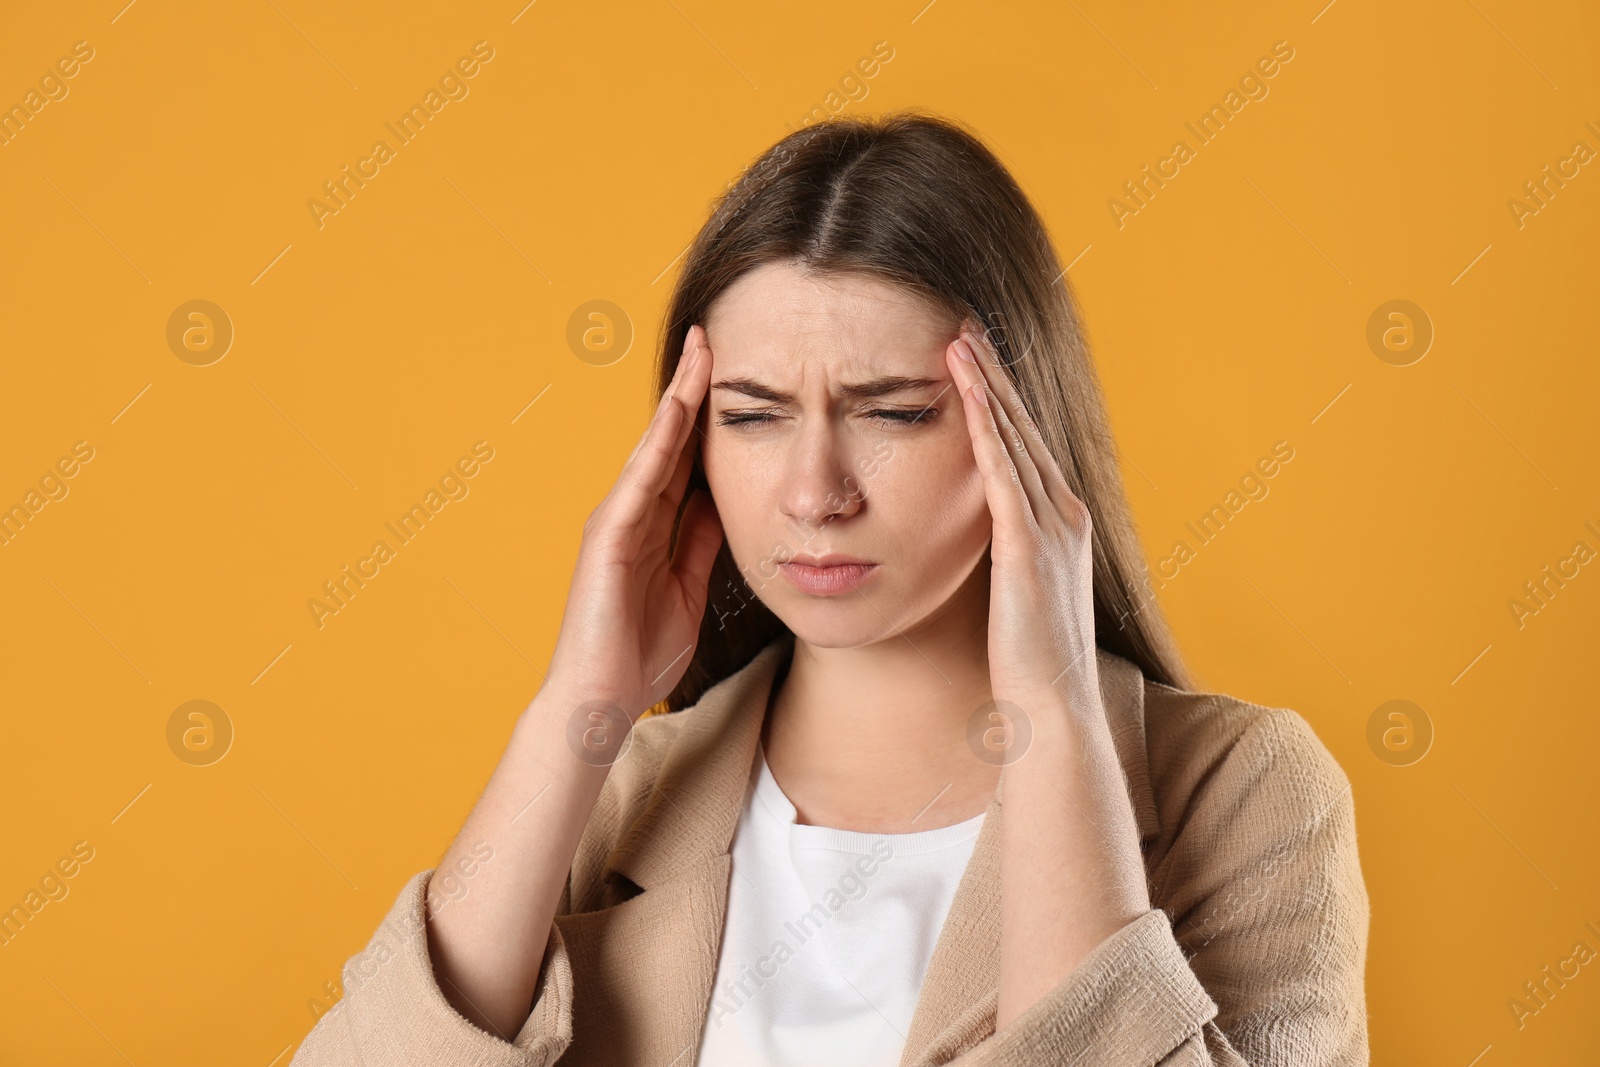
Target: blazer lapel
[
  {"x": 643, "y": 969},
  {"x": 961, "y": 991}
]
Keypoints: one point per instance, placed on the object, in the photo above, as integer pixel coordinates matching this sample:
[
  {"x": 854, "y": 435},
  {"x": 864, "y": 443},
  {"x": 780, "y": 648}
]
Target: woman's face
[{"x": 833, "y": 426}]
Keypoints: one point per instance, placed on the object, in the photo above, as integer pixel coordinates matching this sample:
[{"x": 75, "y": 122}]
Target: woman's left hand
[
  {"x": 1041, "y": 598},
  {"x": 1069, "y": 832}
]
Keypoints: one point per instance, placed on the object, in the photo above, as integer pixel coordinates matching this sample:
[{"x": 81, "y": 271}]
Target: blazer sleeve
[
  {"x": 393, "y": 1013},
  {"x": 1265, "y": 967}
]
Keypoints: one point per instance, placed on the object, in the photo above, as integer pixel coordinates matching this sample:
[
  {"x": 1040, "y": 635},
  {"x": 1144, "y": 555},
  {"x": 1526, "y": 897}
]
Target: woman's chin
[{"x": 838, "y": 623}]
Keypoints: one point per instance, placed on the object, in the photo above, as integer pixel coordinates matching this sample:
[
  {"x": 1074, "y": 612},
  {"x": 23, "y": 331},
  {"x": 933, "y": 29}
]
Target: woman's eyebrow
[{"x": 883, "y": 386}]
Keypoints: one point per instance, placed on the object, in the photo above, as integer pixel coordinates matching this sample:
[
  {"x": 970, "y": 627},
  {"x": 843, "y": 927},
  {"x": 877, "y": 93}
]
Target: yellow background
[{"x": 370, "y": 353}]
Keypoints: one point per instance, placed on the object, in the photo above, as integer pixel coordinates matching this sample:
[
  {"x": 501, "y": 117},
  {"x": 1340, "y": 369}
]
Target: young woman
[{"x": 863, "y": 741}]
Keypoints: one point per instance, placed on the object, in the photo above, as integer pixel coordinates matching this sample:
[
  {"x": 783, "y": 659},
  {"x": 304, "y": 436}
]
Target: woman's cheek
[
  {"x": 948, "y": 471},
  {"x": 967, "y": 519},
  {"x": 938, "y": 494},
  {"x": 732, "y": 475},
  {"x": 722, "y": 461}
]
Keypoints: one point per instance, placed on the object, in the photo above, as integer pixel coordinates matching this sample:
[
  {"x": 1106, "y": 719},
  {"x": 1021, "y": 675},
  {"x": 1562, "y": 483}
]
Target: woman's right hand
[
  {"x": 633, "y": 611},
  {"x": 628, "y": 634}
]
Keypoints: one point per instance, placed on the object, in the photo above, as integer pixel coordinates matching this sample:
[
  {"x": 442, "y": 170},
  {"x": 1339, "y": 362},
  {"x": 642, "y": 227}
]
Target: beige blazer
[{"x": 1253, "y": 952}]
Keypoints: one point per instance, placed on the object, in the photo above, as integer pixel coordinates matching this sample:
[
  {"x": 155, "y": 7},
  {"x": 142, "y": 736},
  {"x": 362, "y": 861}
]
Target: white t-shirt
[{"x": 827, "y": 936}]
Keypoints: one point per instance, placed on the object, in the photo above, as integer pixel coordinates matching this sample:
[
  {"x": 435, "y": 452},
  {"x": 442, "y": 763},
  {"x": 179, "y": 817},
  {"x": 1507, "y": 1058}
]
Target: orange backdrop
[{"x": 239, "y": 341}]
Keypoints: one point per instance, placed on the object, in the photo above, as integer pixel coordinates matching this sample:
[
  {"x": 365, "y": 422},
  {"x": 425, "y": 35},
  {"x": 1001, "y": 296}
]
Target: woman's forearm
[
  {"x": 1071, "y": 871},
  {"x": 633, "y": 611},
  {"x": 487, "y": 932}
]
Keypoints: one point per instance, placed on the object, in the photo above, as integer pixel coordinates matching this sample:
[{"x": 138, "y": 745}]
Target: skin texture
[{"x": 982, "y": 593}]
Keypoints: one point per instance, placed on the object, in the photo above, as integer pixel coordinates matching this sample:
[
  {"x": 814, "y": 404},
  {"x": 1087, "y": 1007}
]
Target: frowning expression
[{"x": 833, "y": 428}]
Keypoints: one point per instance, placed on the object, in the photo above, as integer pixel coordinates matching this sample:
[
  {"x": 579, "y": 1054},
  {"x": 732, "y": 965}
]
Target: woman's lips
[{"x": 827, "y": 581}]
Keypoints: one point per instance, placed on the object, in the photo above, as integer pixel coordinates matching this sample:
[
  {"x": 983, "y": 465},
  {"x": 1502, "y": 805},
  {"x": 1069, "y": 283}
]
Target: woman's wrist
[
  {"x": 591, "y": 726},
  {"x": 1069, "y": 716}
]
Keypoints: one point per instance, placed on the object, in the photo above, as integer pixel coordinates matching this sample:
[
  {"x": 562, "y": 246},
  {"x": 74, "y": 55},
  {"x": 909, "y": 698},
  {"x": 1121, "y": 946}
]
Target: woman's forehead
[{"x": 779, "y": 320}]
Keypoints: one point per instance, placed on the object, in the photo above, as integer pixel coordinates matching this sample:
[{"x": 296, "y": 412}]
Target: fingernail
[
  {"x": 688, "y": 341},
  {"x": 964, "y": 350}
]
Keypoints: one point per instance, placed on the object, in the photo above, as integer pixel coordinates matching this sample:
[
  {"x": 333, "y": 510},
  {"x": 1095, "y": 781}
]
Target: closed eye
[{"x": 889, "y": 416}]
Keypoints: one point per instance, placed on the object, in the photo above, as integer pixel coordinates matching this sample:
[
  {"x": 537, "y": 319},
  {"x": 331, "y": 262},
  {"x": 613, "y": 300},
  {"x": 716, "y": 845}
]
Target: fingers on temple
[
  {"x": 664, "y": 455},
  {"x": 1049, "y": 486},
  {"x": 1008, "y": 470},
  {"x": 1007, "y": 502}
]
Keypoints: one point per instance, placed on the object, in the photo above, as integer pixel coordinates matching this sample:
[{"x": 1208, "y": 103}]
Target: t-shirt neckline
[{"x": 771, "y": 799}]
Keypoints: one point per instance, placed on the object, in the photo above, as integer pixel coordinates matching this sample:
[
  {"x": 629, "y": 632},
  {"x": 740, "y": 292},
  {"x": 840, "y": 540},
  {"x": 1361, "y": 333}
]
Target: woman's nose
[{"x": 821, "y": 485}]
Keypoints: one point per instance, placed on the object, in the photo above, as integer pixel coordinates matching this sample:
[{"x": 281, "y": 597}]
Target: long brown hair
[{"x": 920, "y": 201}]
